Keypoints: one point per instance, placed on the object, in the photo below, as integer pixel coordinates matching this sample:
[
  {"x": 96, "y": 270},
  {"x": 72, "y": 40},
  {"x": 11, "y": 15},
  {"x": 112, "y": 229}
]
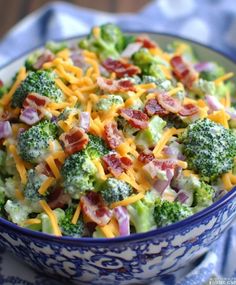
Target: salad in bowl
[{"x": 114, "y": 136}]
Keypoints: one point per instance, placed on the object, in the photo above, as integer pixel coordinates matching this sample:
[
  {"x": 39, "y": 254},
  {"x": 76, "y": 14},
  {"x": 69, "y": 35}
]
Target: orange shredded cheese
[
  {"x": 76, "y": 214},
  {"x": 19, "y": 194},
  {"x": 100, "y": 169},
  {"x": 52, "y": 217},
  {"x": 227, "y": 181},
  {"x": 45, "y": 185},
  {"x": 224, "y": 77},
  {"x": 220, "y": 117},
  {"x": 64, "y": 88},
  {"x": 130, "y": 200},
  {"x": 163, "y": 141},
  {"x": 19, "y": 164},
  {"x": 30, "y": 222},
  {"x": 51, "y": 163}
]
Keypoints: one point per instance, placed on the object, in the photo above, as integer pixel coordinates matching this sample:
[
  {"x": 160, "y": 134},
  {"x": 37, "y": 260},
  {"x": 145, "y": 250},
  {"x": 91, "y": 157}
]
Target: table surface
[{"x": 12, "y": 11}]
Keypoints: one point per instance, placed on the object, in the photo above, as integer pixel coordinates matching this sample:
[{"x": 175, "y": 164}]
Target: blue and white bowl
[{"x": 136, "y": 259}]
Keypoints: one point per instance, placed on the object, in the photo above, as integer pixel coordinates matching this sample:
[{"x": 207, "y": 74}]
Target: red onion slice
[
  {"x": 213, "y": 103},
  {"x": 161, "y": 185},
  {"x": 84, "y": 121},
  {"x": 29, "y": 116},
  {"x": 131, "y": 49},
  {"x": 5, "y": 129},
  {"x": 122, "y": 216},
  {"x": 203, "y": 66}
]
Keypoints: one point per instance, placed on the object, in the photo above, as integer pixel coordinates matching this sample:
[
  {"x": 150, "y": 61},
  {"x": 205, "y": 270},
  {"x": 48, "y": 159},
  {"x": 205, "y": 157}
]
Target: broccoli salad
[{"x": 114, "y": 135}]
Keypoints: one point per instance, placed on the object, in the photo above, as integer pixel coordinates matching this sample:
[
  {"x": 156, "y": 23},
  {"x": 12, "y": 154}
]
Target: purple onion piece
[
  {"x": 5, "y": 129},
  {"x": 182, "y": 197},
  {"x": 231, "y": 112},
  {"x": 122, "y": 216},
  {"x": 213, "y": 103},
  {"x": 29, "y": 116},
  {"x": 84, "y": 121},
  {"x": 161, "y": 185},
  {"x": 131, "y": 49},
  {"x": 203, "y": 66}
]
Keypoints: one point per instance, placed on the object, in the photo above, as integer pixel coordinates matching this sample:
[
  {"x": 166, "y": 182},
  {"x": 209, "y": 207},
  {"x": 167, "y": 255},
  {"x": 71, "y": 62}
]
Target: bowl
[{"x": 135, "y": 259}]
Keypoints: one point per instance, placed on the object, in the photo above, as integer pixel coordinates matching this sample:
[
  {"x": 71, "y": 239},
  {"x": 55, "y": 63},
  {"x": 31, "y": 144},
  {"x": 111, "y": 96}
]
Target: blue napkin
[{"x": 212, "y": 22}]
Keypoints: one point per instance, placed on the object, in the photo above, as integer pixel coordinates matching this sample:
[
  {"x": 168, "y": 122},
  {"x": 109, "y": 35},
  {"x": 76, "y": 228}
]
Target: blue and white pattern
[{"x": 212, "y": 22}]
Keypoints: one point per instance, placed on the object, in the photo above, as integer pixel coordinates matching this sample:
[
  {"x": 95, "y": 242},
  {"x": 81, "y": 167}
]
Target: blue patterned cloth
[{"x": 212, "y": 22}]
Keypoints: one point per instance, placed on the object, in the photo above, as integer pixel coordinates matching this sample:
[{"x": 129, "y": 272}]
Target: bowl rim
[{"x": 138, "y": 236}]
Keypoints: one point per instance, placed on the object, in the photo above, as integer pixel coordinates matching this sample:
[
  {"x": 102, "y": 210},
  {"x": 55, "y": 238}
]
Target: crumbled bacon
[
  {"x": 152, "y": 107},
  {"x": 113, "y": 136},
  {"x": 37, "y": 102},
  {"x": 146, "y": 156},
  {"x": 147, "y": 43},
  {"x": 94, "y": 208},
  {"x": 116, "y": 165},
  {"x": 183, "y": 71},
  {"x": 120, "y": 68},
  {"x": 110, "y": 85},
  {"x": 58, "y": 198},
  {"x": 188, "y": 110},
  {"x": 168, "y": 102},
  {"x": 46, "y": 56},
  {"x": 74, "y": 140},
  {"x": 136, "y": 118}
]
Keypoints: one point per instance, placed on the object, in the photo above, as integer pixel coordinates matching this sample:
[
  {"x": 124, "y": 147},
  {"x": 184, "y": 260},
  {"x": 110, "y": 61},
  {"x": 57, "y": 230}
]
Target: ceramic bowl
[{"x": 136, "y": 259}]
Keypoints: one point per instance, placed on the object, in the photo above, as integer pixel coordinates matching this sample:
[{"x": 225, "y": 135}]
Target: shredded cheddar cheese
[
  {"x": 51, "y": 163},
  {"x": 45, "y": 185},
  {"x": 224, "y": 77},
  {"x": 130, "y": 200},
  {"x": 19, "y": 164},
  {"x": 227, "y": 181},
  {"x": 76, "y": 214},
  {"x": 163, "y": 141}
]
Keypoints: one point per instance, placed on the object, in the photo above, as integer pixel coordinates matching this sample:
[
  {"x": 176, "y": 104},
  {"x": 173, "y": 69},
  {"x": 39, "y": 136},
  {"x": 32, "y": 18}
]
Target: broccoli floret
[
  {"x": 33, "y": 184},
  {"x": 17, "y": 211},
  {"x": 114, "y": 190},
  {"x": 209, "y": 148},
  {"x": 214, "y": 71},
  {"x": 203, "y": 87},
  {"x": 46, "y": 226},
  {"x": 149, "y": 64},
  {"x": 203, "y": 196},
  {"x": 167, "y": 213},
  {"x": 55, "y": 47},
  {"x": 11, "y": 184},
  {"x": 141, "y": 213},
  {"x": 41, "y": 82},
  {"x": 161, "y": 83},
  {"x": 96, "y": 147},
  {"x": 2, "y": 195},
  {"x": 105, "y": 104},
  {"x": 31, "y": 60},
  {"x": 33, "y": 144},
  {"x": 106, "y": 40},
  {"x": 69, "y": 229},
  {"x": 79, "y": 174},
  {"x": 7, "y": 164}
]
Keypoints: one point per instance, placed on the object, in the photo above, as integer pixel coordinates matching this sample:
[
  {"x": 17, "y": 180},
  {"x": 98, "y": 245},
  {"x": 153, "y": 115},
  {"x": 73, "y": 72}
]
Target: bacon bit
[
  {"x": 46, "y": 56},
  {"x": 109, "y": 85},
  {"x": 74, "y": 140},
  {"x": 168, "y": 102},
  {"x": 120, "y": 68},
  {"x": 113, "y": 136},
  {"x": 146, "y": 156},
  {"x": 37, "y": 102},
  {"x": 147, "y": 43},
  {"x": 58, "y": 198},
  {"x": 188, "y": 110},
  {"x": 95, "y": 209},
  {"x": 154, "y": 165},
  {"x": 152, "y": 107},
  {"x": 183, "y": 71},
  {"x": 116, "y": 165},
  {"x": 136, "y": 118}
]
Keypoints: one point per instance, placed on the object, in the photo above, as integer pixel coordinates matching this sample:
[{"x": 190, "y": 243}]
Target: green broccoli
[
  {"x": 141, "y": 213},
  {"x": 31, "y": 60},
  {"x": 109, "y": 42},
  {"x": 166, "y": 213},
  {"x": 203, "y": 196},
  {"x": 215, "y": 71},
  {"x": 17, "y": 211},
  {"x": 56, "y": 47},
  {"x": 161, "y": 83},
  {"x": 41, "y": 82},
  {"x": 209, "y": 148},
  {"x": 114, "y": 190},
  {"x": 33, "y": 184},
  {"x": 149, "y": 64},
  {"x": 7, "y": 164},
  {"x": 69, "y": 229},
  {"x": 46, "y": 226},
  {"x": 203, "y": 87},
  {"x": 96, "y": 147},
  {"x": 33, "y": 144},
  {"x": 2, "y": 195},
  {"x": 105, "y": 104},
  {"x": 79, "y": 174}
]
